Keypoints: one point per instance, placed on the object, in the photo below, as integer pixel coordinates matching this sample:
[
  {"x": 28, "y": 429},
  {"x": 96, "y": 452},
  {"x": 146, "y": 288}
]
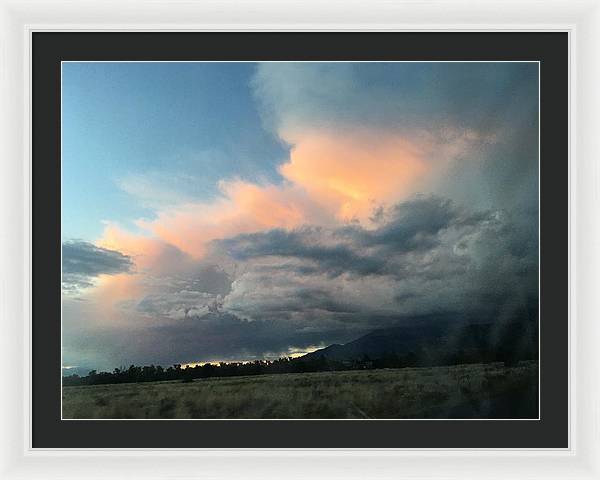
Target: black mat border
[{"x": 50, "y": 48}]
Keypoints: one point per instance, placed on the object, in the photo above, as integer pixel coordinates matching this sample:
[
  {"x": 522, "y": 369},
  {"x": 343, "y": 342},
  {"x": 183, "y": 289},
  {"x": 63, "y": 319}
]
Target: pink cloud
[{"x": 330, "y": 177}]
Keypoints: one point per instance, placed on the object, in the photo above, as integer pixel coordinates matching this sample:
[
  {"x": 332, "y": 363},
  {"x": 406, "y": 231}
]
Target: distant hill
[
  {"x": 438, "y": 344},
  {"x": 419, "y": 342}
]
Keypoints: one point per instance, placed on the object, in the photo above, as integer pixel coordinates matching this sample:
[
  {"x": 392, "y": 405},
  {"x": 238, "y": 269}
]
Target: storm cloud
[
  {"x": 396, "y": 95},
  {"x": 193, "y": 292},
  {"x": 82, "y": 262},
  {"x": 426, "y": 257},
  {"x": 479, "y": 120}
]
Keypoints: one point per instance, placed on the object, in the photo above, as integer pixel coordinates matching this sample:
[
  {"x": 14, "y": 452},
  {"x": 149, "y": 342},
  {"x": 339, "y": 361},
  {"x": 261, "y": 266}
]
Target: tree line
[
  {"x": 506, "y": 353},
  {"x": 156, "y": 373}
]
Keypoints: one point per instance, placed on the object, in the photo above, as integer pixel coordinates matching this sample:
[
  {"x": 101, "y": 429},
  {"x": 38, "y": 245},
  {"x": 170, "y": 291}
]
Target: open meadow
[{"x": 460, "y": 391}]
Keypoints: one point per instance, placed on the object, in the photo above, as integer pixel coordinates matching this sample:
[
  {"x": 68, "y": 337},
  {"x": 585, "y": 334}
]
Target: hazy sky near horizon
[{"x": 229, "y": 211}]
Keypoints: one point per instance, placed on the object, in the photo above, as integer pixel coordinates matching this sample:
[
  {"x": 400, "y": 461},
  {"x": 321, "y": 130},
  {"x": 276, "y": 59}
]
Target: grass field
[{"x": 461, "y": 391}]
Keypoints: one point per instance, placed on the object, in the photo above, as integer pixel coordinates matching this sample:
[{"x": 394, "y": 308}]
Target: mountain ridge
[{"x": 440, "y": 344}]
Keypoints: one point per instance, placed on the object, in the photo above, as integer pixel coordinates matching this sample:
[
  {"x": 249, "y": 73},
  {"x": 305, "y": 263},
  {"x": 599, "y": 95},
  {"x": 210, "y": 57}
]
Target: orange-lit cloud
[
  {"x": 330, "y": 177},
  {"x": 350, "y": 174},
  {"x": 243, "y": 208},
  {"x": 142, "y": 249},
  {"x": 147, "y": 254},
  {"x": 112, "y": 290}
]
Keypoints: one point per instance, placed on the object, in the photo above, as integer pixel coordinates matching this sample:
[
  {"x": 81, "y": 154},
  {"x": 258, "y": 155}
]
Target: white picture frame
[{"x": 18, "y": 19}]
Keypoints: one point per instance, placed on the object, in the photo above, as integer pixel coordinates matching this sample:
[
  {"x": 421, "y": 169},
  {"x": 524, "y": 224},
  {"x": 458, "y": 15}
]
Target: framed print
[
  {"x": 244, "y": 292},
  {"x": 318, "y": 241},
  {"x": 256, "y": 244}
]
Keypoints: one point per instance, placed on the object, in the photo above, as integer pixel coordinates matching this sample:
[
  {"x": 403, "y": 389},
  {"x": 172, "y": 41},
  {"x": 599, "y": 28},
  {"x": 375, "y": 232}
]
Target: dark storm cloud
[
  {"x": 225, "y": 336},
  {"x": 302, "y": 244},
  {"x": 194, "y": 290},
  {"x": 426, "y": 257},
  {"x": 412, "y": 226},
  {"x": 480, "y": 95},
  {"x": 83, "y": 261},
  {"x": 210, "y": 279},
  {"x": 212, "y": 336},
  {"x": 428, "y": 260}
]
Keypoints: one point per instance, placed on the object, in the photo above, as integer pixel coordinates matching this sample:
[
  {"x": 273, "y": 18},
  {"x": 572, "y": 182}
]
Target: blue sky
[{"x": 181, "y": 125}]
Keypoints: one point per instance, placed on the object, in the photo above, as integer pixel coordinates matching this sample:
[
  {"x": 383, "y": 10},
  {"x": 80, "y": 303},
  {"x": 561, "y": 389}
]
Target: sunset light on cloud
[
  {"x": 339, "y": 177},
  {"x": 344, "y": 194},
  {"x": 327, "y": 179}
]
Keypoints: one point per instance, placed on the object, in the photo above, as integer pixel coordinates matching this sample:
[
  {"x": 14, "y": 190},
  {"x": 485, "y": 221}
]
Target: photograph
[{"x": 300, "y": 240}]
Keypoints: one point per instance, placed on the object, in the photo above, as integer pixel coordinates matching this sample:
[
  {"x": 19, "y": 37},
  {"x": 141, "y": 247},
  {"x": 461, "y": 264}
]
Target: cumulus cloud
[
  {"x": 398, "y": 96},
  {"x": 414, "y": 225},
  {"x": 363, "y": 135},
  {"x": 194, "y": 292},
  {"x": 427, "y": 256},
  {"x": 427, "y": 259},
  {"x": 330, "y": 178},
  {"x": 476, "y": 124},
  {"x": 82, "y": 262}
]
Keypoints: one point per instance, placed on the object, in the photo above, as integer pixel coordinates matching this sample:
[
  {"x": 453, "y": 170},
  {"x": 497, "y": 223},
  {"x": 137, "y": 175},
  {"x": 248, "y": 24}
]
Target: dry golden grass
[{"x": 461, "y": 391}]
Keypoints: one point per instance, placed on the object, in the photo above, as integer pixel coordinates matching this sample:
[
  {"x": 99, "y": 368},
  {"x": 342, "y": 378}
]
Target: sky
[{"x": 234, "y": 211}]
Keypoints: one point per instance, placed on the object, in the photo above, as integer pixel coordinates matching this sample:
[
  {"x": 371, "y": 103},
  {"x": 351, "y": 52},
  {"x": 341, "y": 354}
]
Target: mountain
[{"x": 437, "y": 344}]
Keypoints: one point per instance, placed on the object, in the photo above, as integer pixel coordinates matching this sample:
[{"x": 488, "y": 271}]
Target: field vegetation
[{"x": 492, "y": 390}]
